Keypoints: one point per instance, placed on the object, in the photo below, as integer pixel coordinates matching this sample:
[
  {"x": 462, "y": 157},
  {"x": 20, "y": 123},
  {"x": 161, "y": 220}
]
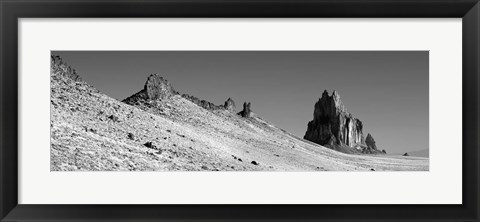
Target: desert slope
[{"x": 91, "y": 131}]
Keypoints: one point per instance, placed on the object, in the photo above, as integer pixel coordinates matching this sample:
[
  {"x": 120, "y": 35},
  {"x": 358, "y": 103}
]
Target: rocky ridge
[
  {"x": 333, "y": 126},
  {"x": 157, "y": 88}
]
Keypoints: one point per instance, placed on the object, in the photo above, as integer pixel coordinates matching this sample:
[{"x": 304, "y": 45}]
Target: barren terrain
[{"x": 91, "y": 131}]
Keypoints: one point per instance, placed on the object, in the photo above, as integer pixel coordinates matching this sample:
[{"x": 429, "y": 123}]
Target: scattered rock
[
  {"x": 372, "y": 169},
  {"x": 131, "y": 136},
  {"x": 254, "y": 162},
  {"x": 405, "y": 154},
  {"x": 332, "y": 124},
  {"x": 113, "y": 118},
  {"x": 150, "y": 145}
]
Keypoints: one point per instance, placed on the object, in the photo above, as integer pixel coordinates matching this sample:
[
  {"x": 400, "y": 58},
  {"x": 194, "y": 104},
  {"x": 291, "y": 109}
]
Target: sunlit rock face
[{"x": 333, "y": 125}]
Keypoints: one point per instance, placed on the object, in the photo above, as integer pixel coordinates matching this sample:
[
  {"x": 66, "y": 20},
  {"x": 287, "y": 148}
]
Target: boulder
[{"x": 202, "y": 103}]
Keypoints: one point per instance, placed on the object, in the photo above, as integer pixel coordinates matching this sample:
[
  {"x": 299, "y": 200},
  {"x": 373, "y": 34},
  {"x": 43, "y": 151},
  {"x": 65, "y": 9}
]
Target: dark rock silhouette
[
  {"x": 113, "y": 118},
  {"x": 150, "y": 145},
  {"x": 229, "y": 105},
  {"x": 334, "y": 127},
  {"x": 58, "y": 67},
  {"x": 246, "y": 110},
  {"x": 371, "y": 146},
  {"x": 332, "y": 124},
  {"x": 405, "y": 154},
  {"x": 370, "y": 142}
]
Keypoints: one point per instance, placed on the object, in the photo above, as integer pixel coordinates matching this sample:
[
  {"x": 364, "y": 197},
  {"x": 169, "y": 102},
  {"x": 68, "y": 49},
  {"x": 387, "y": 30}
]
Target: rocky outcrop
[
  {"x": 336, "y": 128},
  {"x": 229, "y": 105},
  {"x": 59, "y": 68},
  {"x": 370, "y": 142},
  {"x": 155, "y": 88},
  {"x": 332, "y": 124},
  {"x": 246, "y": 112}
]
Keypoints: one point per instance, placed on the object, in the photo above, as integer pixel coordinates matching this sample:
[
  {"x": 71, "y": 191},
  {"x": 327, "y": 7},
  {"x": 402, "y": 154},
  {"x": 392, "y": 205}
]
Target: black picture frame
[{"x": 12, "y": 10}]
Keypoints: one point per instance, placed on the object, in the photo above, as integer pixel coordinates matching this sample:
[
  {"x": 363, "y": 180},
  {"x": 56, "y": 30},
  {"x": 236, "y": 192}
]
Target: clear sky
[{"x": 387, "y": 91}]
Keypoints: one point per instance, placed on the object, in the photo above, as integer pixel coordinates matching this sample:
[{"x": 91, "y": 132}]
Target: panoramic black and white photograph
[{"x": 239, "y": 111}]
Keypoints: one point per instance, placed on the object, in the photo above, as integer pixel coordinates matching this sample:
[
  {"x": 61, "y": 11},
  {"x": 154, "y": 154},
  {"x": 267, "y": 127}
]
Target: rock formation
[
  {"x": 246, "y": 110},
  {"x": 60, "y": 68},
  {"x": 229, "y": 105},
  {"x": 156, "y": 87},
  {"x": 370, "y": 142},
  {"x": 371, "y": 146},
  {"x": 336, "y": 128}
]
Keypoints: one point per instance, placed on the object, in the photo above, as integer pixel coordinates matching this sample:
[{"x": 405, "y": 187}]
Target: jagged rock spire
[
  {"x": 370, "y": 142},
  {"x": 229, "y": 105},
  {"x": 333, "y": 125},
  {"x": 246, "y": 112}
]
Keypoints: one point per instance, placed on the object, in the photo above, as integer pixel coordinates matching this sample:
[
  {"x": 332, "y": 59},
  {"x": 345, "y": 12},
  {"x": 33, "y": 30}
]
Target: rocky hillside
[
  {"x": 332, "y": 126},
  {"x": 157, "y": 129}
]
